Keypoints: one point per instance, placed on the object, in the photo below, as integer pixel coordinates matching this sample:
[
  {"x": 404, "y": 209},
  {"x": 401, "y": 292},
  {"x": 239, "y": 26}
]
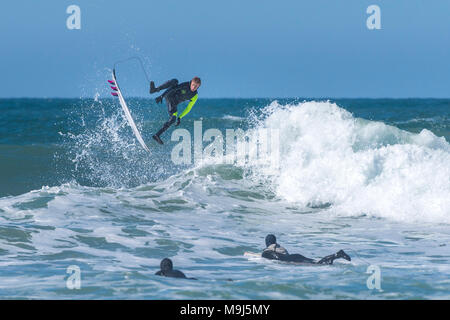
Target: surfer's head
[
  {"x": 166, "y": 264},
  {"x": 195, "y": 83},
  {"x": 270, "y": 239}
]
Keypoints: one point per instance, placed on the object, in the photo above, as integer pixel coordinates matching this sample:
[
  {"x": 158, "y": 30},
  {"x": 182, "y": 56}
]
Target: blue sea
[{"x": 370, "y": 176}]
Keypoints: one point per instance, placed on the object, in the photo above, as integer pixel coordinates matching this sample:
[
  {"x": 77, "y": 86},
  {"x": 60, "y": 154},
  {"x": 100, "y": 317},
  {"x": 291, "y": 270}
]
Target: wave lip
[{"x": 361, "y": 167}]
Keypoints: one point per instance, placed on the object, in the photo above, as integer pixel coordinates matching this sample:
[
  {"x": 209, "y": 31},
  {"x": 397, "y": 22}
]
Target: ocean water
[{"x": 370, "y": 176}]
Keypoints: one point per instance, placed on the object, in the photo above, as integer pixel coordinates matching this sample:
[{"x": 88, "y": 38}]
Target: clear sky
[{"x": 240, "y": 48}]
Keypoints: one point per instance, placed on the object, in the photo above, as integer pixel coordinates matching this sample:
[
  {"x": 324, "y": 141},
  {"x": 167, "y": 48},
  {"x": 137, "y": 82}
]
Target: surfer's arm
[
  {"x": 271, "y": 255},
  {"x": 189, "y": 106}
]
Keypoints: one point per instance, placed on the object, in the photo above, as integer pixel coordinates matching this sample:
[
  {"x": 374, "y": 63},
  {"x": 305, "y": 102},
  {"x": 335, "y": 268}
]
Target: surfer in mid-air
[
  {"x": 276, "y": 252},
  {"x": 174, "y": 95}
]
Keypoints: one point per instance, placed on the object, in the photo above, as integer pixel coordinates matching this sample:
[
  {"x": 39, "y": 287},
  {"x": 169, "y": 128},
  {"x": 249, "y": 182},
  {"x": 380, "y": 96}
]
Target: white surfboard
[
  {"x": 128, "y": 114},
  {"x": 252, "y": 254}
]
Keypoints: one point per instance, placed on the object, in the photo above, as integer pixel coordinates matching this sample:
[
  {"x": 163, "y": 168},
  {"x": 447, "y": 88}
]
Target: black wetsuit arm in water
[
  {"x": 171, "y": 274},
  {"x": 271, "y": 255}
]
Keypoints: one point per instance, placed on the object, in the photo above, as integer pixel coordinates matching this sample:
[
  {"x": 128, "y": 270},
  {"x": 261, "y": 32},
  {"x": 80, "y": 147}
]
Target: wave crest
[{"x": 358, "y": 166}]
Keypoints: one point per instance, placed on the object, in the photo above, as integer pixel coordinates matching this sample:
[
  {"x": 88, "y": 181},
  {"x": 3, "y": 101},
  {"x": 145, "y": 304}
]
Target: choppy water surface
[{"x": 371, "y": 177}]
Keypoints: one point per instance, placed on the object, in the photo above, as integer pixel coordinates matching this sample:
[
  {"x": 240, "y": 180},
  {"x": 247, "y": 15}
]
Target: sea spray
[
  {"x": 358, "y": 166},
  {"x": 117, "y": 221}
]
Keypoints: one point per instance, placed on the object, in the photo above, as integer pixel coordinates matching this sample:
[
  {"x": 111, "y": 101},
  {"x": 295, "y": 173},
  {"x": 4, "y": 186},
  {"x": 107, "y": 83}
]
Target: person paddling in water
[
  {"x": 167, "y": 270},
  {"x": 276, "y": 252},
  {"x": 174, "y": 95}
]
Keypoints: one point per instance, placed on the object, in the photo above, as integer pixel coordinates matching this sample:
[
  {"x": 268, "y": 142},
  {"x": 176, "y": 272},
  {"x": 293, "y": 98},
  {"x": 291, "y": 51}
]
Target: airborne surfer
[
  {"x": 276, "y": 252},
  {"x": 174, "y": 95}
]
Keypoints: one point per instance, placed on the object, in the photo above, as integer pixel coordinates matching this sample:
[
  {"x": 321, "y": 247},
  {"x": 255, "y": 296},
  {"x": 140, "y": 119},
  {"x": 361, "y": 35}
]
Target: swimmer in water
[
  {"x": 166, "y": 266},
  {"x": 276, "y": 252}
]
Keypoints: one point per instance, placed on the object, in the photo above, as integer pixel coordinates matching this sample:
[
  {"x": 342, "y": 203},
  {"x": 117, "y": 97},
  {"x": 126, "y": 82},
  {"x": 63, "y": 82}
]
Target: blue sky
[{"x": 252, "y": 48}]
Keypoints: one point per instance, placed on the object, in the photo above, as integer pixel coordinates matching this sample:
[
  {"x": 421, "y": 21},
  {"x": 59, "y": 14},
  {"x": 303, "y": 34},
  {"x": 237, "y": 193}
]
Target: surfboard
[
  {"x": 252, "y": 254},
  {"x": 125, "y": 109}
]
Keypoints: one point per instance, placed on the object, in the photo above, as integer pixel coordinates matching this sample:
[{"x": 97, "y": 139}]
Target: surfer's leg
[
  {"x": 272, "y": 255},
  {"x": 329, "y": 259},
  {"x": 167, "y": 84},
  {"x": 171, "y": 107},
  {"x": 298, "y": 258},
  {"x": 152, "y": 87},
  {"x": 166, "y": 125}
]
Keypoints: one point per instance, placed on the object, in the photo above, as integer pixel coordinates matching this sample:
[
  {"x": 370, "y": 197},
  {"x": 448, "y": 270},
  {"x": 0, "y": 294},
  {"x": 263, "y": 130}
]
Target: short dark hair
[
  {"x": 270, "y": 239},
  {"x": 197, "y": 80}
]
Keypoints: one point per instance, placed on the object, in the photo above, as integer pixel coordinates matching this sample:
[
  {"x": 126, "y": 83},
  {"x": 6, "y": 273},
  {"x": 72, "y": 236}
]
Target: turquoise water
[{"x": 370, "y": 176}]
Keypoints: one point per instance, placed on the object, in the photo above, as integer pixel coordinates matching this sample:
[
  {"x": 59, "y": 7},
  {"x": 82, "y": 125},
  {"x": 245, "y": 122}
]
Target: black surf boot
[
  {"x": 153, "y": 89},
  {"x": 158, "y": 139},
  {"x": 342, "y": 254}
]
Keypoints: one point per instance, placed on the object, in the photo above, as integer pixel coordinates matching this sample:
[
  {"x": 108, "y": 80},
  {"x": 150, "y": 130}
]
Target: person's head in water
[
  {"x": 195, "y": 83},
  {"x": 270, "y": 239},
  {"x": 166, "y": 265},
  {"x": 167, "y": 270}
]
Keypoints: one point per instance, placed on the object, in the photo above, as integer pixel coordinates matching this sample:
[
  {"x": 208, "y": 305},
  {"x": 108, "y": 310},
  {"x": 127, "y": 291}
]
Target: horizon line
[{"x": 247, "y": 98}]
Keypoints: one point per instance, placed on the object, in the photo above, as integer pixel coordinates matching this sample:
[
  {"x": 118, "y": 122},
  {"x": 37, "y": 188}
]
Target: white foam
[
  {"x": 358, "y": 166},
  {"x": 232, "y": 118}
]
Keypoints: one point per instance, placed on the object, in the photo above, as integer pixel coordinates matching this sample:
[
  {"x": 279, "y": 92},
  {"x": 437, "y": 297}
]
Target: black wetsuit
[
  {"x": 174, "y": 95},
  {"x": 167, "y": 270},
  {"x": 276, "y": 253},
  {"x": 171, "y": 273}
]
